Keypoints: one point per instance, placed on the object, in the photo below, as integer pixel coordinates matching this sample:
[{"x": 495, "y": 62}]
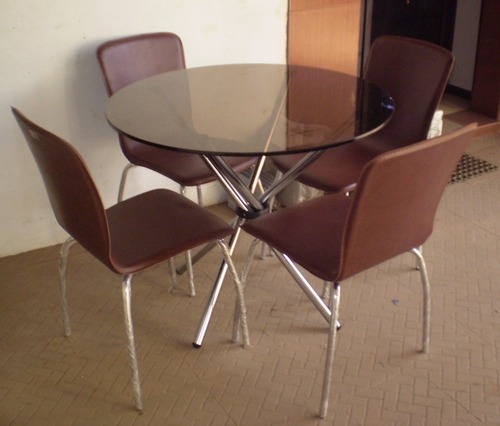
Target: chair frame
[
  {"x": 64, "y": 173},
  {"x": 449, "y": 146},
  {"x": 127, "y": 312},
  {"x": 411, "y": 119},
  {"x": 115, "y": 79}
]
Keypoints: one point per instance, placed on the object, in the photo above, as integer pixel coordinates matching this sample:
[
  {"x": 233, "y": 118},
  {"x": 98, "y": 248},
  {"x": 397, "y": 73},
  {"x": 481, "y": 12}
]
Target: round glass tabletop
[{"x": 249, "y": 109}]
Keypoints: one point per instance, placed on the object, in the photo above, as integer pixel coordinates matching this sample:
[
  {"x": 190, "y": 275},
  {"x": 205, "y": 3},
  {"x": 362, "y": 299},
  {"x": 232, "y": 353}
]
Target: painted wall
[{"x": 50, "y": 73}]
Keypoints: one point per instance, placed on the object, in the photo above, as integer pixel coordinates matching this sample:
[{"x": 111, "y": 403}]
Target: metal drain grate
[{"x": 470, "y": 166}]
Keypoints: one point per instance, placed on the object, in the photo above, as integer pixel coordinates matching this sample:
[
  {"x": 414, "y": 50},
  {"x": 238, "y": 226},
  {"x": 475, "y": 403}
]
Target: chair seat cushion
[
  {"x": 336, "y": 170},
  {"x": 315, "y": 224},
  {"x": 183, "y": 168},
  {"x": 156, "y": 225}
]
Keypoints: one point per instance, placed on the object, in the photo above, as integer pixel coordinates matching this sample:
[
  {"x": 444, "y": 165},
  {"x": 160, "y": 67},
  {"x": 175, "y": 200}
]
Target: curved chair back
[
  {"x": 415, "y": 74},
  {"x": 396, "y": 201},
  {"x": 72, "y": 193},
  {"x": 391, "y": 212},
  {"x": 129, "y": 59},
  {"x": 128, "y": 237}
]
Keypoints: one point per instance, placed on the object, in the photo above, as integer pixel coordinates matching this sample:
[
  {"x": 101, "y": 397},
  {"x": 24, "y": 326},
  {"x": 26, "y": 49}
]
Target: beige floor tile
[{"x": 380, "y": 377}]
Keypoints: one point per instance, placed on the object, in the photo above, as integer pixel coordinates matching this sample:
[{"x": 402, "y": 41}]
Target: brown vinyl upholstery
[
  {"x": 126, "y": 60},
  {"x": 415, "y": 74},
  {"x": 127, "y": 237},
  {"x": 391, "y": 212}
]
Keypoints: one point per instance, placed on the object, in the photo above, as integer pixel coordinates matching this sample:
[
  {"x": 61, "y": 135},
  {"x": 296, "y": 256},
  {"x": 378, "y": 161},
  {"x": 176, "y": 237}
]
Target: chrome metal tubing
[
  {"x": 129, "y": 330},
  {"x": 189, "y": 265},
  {"x": 238, "y": 191},
  {"x": 123, "y": 180},
  {"x": 245, "y": 199},
  {"x": 199, "y": 194},
  {"x": 327, "y": 286},
  {"x": 304, "y": 284},
  {"x": 255, "y": 178},
  {"x": 202, "y": 252},
  {"x": 190, "y": 273},
  {"x": 290, "y": 175},
  {"x": 426, "y": 314},
  {"x": 330, "y": 351},
  {"x": 63, "y": 264},
  {"x": 243, "y": 279},
  {"x": 240, "y": 299},
  {"x": 173, "y": 276},
  {"x": 196, "y": 256},
  {"x": 214, "y": 294}
]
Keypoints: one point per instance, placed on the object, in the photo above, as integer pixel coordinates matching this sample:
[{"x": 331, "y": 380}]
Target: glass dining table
[{"x": 256, "y": 110}]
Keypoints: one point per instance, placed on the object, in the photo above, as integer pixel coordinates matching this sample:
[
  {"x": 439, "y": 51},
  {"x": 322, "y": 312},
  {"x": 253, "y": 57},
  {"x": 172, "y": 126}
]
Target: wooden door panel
[{"x": 325, "y": 34}]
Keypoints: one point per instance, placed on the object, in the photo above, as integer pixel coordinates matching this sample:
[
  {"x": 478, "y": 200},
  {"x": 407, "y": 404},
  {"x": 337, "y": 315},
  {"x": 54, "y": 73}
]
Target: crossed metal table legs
[{"x": 250, "y": 206}]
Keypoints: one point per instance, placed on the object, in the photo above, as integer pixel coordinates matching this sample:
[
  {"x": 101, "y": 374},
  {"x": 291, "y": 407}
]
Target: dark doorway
[{"x": 431, "y": 20}]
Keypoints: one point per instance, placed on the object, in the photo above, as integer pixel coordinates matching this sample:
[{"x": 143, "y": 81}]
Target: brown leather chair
[
  {"x": 128, "y": 237},
  {"x": 126, "y": 60},
  {"x": 415, "y": 74},
  {"x": 391, "y": 212}
]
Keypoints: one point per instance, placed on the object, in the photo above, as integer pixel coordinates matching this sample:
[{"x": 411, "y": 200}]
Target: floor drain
[{"x": 470, "y": 166}]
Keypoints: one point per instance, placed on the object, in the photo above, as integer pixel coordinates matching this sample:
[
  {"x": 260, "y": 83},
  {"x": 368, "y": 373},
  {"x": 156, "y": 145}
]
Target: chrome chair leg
[
  {"x": 173, "y": 276},
  {"x": 190, "y": 273},
  {"x": 199, "y": 194},
  {"x": 63, "y": 264},
  {"x": 330, "y": 351},
  {"x": 426, "y": 314},
  {"x": 123, "y": 180},
  {"x": 265, "y": 250},
  {"x": 189, "y": 263},
  {"x": 421, "y": 250},
  {"x": 126, "y": 292},
  {"x": 243, "y": 280},
  {"x": 240, "y": 298},
  {"x": 277, "y": 177},
  {"x": 325, "y": 295},
  {"x": 129, "y": 329}
]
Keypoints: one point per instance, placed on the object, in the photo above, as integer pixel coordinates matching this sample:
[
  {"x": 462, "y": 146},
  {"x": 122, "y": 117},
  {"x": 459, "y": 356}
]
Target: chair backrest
[
  {"x": 396, "y": 200},
  {"x": 126, "y": 60},
  {"x": 415, "y": 74},
  {"x": 129, "y": 59},
  {"x": 72, "y": 193}
]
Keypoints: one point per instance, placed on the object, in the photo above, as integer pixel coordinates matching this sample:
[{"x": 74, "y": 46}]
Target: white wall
[{"x": 50, "y": 73}]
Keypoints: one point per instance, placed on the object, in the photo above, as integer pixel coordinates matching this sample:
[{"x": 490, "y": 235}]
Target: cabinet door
[{"x": 325, "y": 34}]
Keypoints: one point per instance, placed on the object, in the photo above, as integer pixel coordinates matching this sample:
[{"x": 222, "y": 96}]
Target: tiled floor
[{"x": 380, "y": 378}]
